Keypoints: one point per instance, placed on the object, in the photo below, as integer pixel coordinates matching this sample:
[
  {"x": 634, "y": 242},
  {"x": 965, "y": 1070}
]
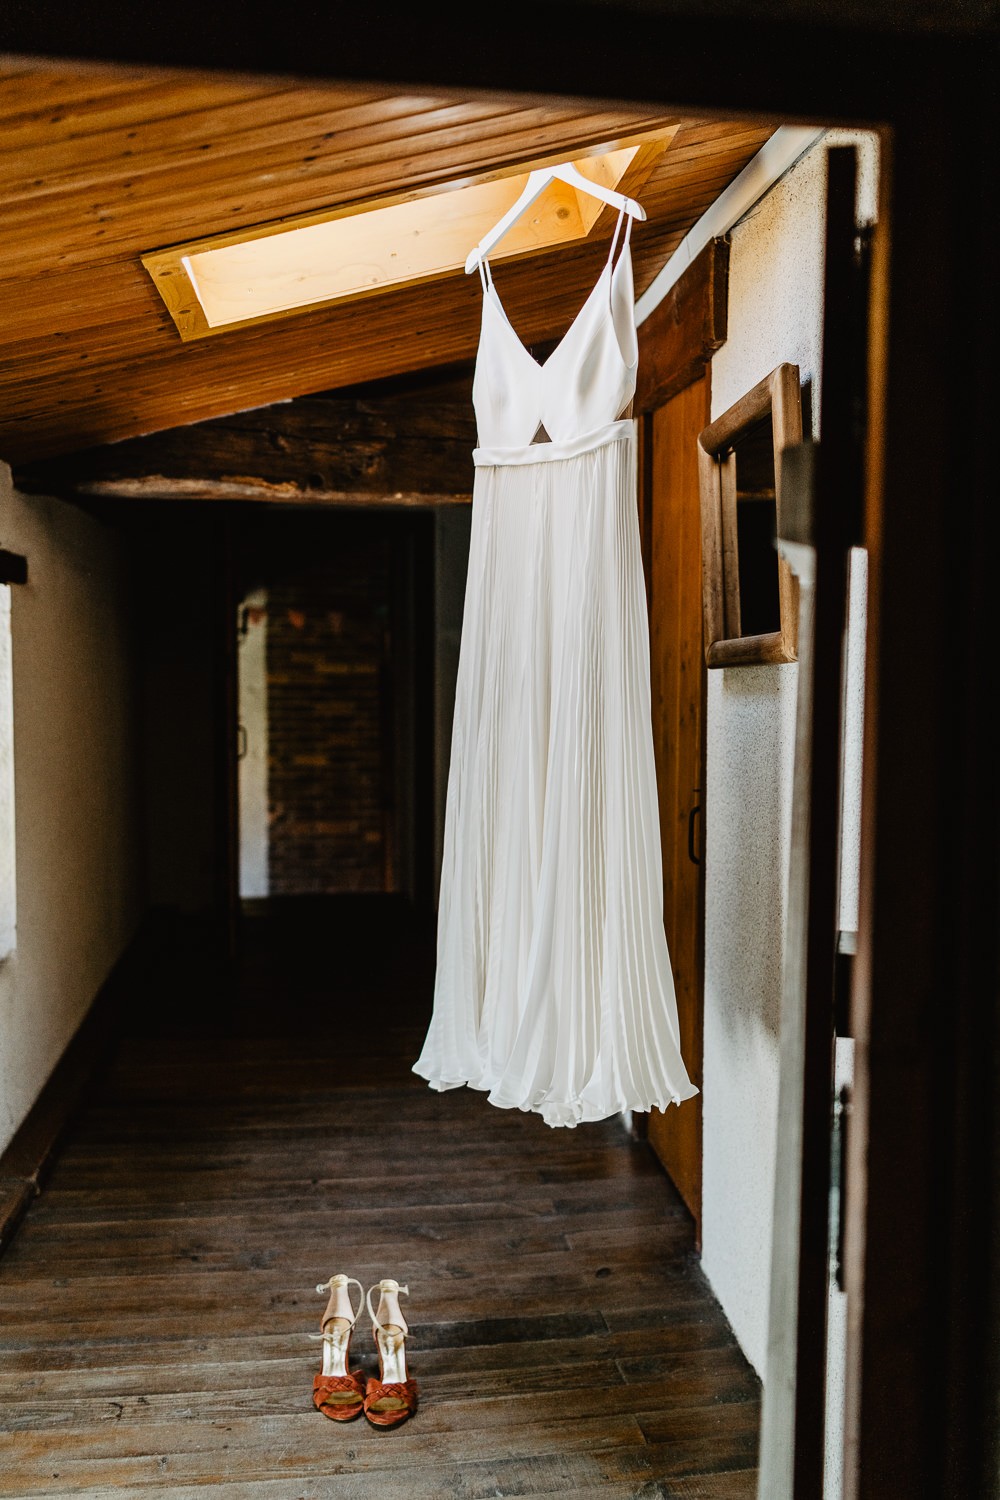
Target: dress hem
[{"x": 566, "y": 1112}]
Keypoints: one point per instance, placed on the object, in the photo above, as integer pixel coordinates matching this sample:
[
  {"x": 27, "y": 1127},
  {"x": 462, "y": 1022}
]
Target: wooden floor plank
[{"x": 156, "y": 1305}]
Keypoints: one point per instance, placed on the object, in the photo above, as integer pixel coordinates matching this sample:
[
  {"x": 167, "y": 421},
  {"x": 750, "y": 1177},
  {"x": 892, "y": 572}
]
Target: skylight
[{"x": 357, "y": 250}]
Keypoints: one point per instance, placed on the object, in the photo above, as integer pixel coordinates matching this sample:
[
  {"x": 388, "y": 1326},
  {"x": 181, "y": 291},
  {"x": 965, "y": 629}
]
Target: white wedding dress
[{"x": 554, "y": 990}]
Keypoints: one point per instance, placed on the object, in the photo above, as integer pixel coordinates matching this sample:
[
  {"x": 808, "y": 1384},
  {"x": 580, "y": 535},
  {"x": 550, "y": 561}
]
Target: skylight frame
[{"x": 627, "y": 161}]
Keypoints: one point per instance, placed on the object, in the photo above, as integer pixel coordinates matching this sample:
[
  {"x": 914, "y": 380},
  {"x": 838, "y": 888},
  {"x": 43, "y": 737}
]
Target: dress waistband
[{"x": 533, "y": 453}]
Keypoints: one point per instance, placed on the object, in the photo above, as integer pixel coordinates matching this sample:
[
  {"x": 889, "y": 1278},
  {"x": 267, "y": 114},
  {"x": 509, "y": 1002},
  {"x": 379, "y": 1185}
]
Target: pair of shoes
[{"x": 342, "y": 1393}]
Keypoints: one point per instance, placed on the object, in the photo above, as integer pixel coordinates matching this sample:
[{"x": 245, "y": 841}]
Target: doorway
[{"x": 336, "y": 705}]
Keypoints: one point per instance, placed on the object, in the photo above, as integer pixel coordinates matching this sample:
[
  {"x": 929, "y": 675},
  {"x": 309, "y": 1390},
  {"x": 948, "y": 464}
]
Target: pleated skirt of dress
[{"x": 554, "y": 990}]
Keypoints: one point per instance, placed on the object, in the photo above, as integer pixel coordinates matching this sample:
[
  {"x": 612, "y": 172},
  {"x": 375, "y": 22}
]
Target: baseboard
[{"x": 26, "y": 1162}]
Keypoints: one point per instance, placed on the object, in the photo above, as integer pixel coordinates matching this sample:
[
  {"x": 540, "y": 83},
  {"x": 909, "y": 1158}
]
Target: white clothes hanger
[{"x": 536, "y": 184}]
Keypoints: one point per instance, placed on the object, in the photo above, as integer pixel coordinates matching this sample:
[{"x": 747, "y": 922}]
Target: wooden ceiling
[{"x": 99, "y": 167}]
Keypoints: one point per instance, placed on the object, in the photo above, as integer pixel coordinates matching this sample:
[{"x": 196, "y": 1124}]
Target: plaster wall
[
  {"x": 253, "y": 751},
  {"x": 775, "y": 315},
  {"x": 8, "y": 893},
  {"x": 79, "y": 888}
]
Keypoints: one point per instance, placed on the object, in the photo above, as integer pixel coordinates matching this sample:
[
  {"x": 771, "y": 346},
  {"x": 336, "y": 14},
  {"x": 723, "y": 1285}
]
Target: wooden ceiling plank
[
  {"x": 369, "y": 133},
  {"x": 40, "y": 95},
  {"x": 709, "y": 164},
  {"x": 33, "y": 91},
  {"x": 75, "y": 302},
  {"x": 170, "y": 211},
  {"x": 708, "y": 167},
  {"x": 315, "y": 340},
  {"x": 692, "y": 164},
  {"x": 66, "y": 160},
  {"x": 681, "y": 196},
  {"x": 707, "y": 131},
  {"x": 708, "y": 171},
  {"x": 247, "y": 128},
  {"x": 700, "y": 165},
  {"x": 370, "y": 140},
  {"x": 87, "y": 119}
]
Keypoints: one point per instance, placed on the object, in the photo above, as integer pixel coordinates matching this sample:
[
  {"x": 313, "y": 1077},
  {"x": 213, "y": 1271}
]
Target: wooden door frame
[
  {"x": 679, "y": 702},
  {"x": 922, "y": 1216},
  {"x": 922, "y": 1204},
  {"x": 676, "y": 345}
]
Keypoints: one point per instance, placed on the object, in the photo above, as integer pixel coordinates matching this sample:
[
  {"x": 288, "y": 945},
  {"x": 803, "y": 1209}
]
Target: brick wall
[{"x": 329, "y": 766}]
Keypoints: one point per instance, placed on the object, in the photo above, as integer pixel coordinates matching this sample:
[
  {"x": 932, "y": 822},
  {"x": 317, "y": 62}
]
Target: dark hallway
[{"x": 243, "y": 1144}]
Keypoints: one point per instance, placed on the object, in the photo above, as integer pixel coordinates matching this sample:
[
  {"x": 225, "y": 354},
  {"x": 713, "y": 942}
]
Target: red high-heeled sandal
[
  {"x": 391, "y": 1398},
  {"x": 339, "y": 1392}
]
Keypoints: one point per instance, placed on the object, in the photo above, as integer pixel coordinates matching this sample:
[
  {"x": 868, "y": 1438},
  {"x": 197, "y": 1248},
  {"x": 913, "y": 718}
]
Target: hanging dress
[{"x": 553, "y": 990}]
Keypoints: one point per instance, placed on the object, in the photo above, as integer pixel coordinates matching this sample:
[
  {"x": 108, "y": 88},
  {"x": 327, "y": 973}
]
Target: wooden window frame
[
  {"x": 268, "y": 281},
  {"x": 778, "y": 397}
]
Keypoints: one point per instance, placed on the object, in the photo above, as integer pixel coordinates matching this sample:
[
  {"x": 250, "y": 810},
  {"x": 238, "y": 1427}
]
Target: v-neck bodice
[{"x": 565, "y": 404}]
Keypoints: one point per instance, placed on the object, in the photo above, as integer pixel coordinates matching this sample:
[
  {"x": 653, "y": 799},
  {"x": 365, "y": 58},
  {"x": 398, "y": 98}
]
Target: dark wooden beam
[
  {"x": 409, "y": 443},
  {"x": 245, "y": 487},
  {"x": 678, "y": 339},
  {"x": 851, "y": 63}
]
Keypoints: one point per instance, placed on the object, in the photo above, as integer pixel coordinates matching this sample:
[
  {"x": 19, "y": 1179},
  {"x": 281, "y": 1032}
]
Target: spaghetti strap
[{"x": 618, "y": 227}]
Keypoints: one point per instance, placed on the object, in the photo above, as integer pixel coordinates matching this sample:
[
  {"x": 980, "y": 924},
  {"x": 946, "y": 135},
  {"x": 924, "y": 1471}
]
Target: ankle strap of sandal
[
  {"x": 334, "y": 1284},
  {"x": 386, "y": 1285}
]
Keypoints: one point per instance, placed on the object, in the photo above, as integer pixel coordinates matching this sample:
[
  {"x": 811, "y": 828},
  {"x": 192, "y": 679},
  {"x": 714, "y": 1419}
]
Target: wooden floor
[{"x": 243, "y": 1146}]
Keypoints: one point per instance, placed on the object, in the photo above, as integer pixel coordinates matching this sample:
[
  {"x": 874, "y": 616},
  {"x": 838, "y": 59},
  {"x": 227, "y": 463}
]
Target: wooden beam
[
  {"x": 678, "y": 339},
  {"x": 246, "y": 487},
  {"x": 408, "y": 445},
  {"x": 850, "y": 69}
]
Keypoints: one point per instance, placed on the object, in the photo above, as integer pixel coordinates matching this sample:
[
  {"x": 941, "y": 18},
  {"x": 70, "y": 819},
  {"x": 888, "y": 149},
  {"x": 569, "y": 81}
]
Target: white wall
[
  {"x": 775, "y": 315},
  {"x": 78, "y": 869},
  {"x": 8, "y": 889},
  {"x": 253, "y": 763}
]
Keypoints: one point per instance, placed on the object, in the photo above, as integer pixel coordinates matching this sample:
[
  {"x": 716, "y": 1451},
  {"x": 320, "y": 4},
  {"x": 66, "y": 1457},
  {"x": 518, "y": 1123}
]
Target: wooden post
[{"x": 793, "y": 1431}]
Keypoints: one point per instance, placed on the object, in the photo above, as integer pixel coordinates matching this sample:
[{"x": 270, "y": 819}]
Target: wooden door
[{"x": 672, "y": 530}]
